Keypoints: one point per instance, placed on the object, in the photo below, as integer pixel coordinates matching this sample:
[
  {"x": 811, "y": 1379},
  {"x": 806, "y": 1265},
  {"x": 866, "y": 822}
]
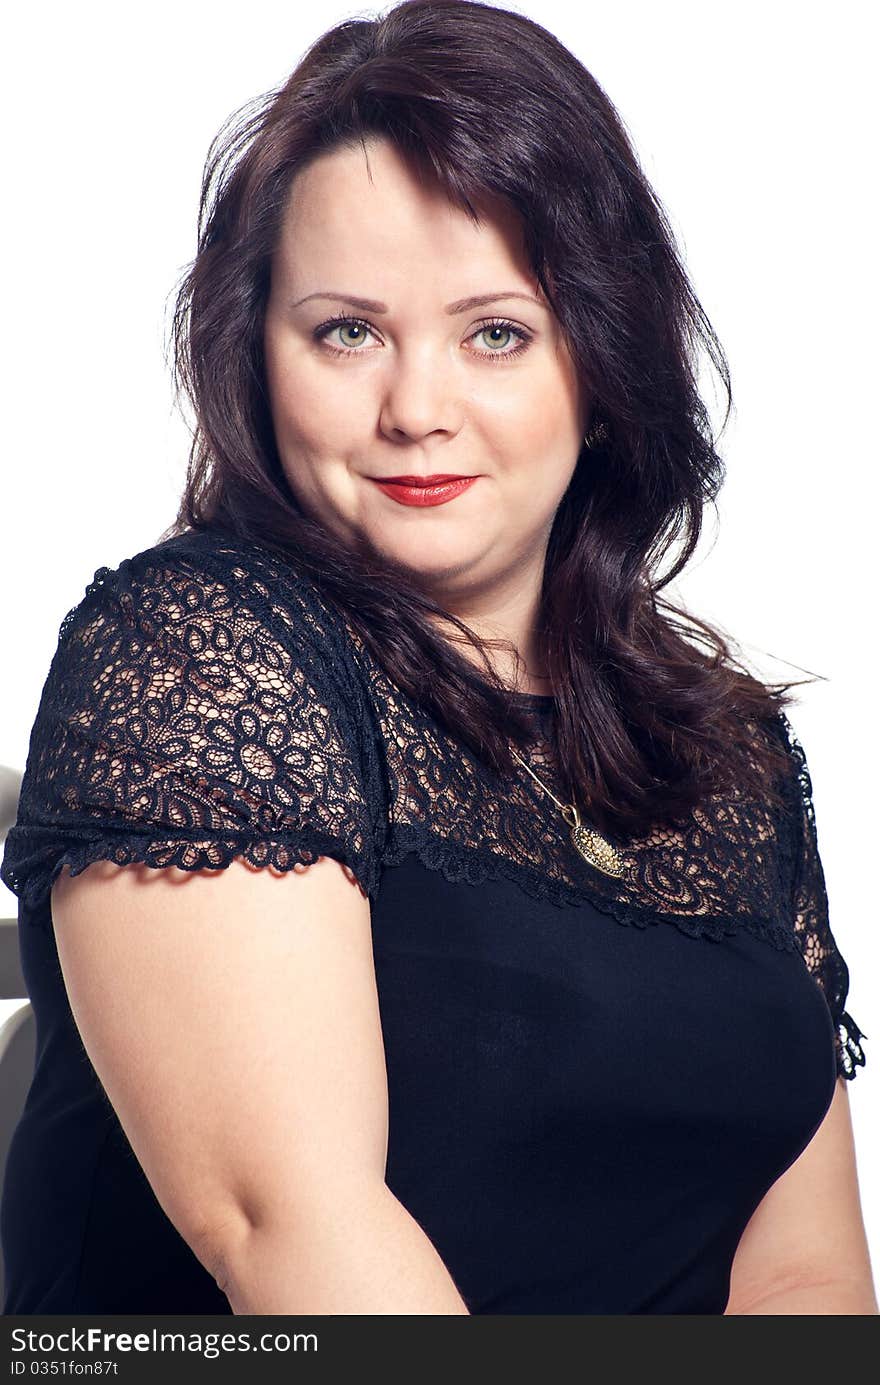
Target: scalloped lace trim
[
  {"x": 217, "y": 853},
  {"x": 464, "y": 864}
]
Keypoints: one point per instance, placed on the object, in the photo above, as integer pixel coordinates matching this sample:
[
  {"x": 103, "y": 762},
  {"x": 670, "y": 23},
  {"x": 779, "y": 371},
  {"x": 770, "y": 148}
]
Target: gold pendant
[{"x": 596, "y": 850}]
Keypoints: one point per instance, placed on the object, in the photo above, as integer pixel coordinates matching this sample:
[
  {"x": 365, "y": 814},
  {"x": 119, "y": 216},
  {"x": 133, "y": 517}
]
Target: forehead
[{"x": 372, "y": 215}]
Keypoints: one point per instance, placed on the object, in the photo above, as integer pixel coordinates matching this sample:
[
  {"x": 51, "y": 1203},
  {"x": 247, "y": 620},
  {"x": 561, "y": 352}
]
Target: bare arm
[
  {"x": 233, "y": 1020},
  {"x": 804, "y": 1250},
  {"x": 364, "y": 1253}
]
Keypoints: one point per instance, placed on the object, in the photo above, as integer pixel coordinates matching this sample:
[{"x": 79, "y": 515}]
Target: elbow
[
  {"x": 266, "y": 1256},
  {"x": 345, "y": 1250},
  {"x": 217, "y": 1242}
]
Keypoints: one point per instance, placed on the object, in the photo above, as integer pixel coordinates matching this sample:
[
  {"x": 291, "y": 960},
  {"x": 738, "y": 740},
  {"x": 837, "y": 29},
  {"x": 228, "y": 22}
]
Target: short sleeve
[
  {"x": 190, "y": 717},
  {"x": 811, "y": 914}
]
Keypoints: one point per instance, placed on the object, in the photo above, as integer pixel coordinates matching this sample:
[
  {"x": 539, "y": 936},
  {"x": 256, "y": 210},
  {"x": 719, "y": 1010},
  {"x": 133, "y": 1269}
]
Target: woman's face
[{"x": 418, "y": 382}]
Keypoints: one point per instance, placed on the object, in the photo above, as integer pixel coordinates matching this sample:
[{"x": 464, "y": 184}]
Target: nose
[{"x": 421, "y": 395}]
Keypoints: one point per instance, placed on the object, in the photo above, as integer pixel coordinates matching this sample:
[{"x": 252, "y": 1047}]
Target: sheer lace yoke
[{"x": 205, "y": 703}]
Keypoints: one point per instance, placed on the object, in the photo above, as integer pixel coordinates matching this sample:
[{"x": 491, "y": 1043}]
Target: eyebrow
[{"x": 462, "y": 305}]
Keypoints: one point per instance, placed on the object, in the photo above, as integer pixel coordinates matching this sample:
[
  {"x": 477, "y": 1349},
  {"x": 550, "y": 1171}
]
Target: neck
[{"x": 509, "y": 612}]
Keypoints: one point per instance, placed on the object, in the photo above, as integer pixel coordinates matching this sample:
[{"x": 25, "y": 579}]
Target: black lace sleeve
[
  {"x": 810, "y": 912},
  {"x": 185, "y": 721}
]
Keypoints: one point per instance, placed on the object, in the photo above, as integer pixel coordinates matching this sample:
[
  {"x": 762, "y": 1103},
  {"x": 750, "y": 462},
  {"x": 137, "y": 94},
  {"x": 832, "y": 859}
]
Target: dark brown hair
[{"x": 653, "y": 708}]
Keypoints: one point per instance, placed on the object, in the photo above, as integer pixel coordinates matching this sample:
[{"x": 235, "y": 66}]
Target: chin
[{"x": 426, "y": 557}]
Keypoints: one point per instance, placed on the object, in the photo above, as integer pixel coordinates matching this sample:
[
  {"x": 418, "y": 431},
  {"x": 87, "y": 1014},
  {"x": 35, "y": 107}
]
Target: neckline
[
  {"x": 533, "y": 699},
  {"x": 539, "y": 702}
]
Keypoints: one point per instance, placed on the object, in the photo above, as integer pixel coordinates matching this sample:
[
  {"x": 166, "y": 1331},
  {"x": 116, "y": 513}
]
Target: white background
[{"x": 756, "y": 128}]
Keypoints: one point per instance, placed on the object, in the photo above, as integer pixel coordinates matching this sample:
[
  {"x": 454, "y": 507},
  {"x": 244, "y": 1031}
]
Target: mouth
[
  {"x": 424, "y": 490},
  {"x": 436, "y": 479}
]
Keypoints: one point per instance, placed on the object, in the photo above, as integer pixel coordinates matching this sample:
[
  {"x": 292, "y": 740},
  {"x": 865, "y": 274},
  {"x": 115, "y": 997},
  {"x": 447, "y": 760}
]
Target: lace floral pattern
[
  {"x": 183, "y": 726},
  {"x": 204, "y": 703}
]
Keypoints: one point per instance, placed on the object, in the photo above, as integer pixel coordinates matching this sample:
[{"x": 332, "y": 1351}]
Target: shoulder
[
  {"x": 214, "y": 572},
  {"x": 208, "y": 631},
  {"x": 209, "y": 596},
  {"x": 200, "y": 703}
]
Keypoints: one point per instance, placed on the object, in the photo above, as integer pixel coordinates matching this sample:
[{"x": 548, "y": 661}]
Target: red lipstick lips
[{"x": 424, "y": 490}]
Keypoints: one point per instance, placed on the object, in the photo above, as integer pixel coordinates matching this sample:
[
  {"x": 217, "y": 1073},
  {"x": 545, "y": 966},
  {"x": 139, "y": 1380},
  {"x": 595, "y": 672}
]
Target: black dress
[{"x": 592, "y": 1081}]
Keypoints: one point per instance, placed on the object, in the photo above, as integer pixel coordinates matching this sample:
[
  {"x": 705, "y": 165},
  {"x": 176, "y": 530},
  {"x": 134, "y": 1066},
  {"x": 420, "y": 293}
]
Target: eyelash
[{"x": 525, "y": 338}]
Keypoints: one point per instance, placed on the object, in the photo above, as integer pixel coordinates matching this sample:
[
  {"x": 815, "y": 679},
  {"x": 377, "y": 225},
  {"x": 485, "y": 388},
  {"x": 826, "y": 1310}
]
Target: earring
[{"x": 596, "y": 435}]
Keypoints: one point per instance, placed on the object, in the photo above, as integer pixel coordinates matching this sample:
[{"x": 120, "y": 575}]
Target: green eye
[
  {"x": 491, "y": 331},
  {"x": 507, "y": 330},
  {"x": 358, "y": 330},
  {"x": 354, "y": 328},
  {"x": 352, "y": 325}
]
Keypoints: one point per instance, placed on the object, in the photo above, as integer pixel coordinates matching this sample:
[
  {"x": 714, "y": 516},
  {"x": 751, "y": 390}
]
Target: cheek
[
  {"x": 307, "y": 412},
  {"x": 542, "y": 451},
  {"x": 309, "y": 427},
  {"x": 539, "y": 410}
]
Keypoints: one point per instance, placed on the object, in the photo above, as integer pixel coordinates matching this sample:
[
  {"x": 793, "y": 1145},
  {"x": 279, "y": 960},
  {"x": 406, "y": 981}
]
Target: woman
[{"x": 418, "y": 919}]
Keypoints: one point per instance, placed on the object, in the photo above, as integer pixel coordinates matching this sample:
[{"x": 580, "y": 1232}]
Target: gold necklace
[{"x": 596, "y": 850}]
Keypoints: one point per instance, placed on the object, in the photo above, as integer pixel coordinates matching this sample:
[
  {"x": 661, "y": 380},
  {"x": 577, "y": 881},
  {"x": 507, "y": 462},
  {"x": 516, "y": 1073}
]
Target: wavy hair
[{"x": 653, "y": 708}]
